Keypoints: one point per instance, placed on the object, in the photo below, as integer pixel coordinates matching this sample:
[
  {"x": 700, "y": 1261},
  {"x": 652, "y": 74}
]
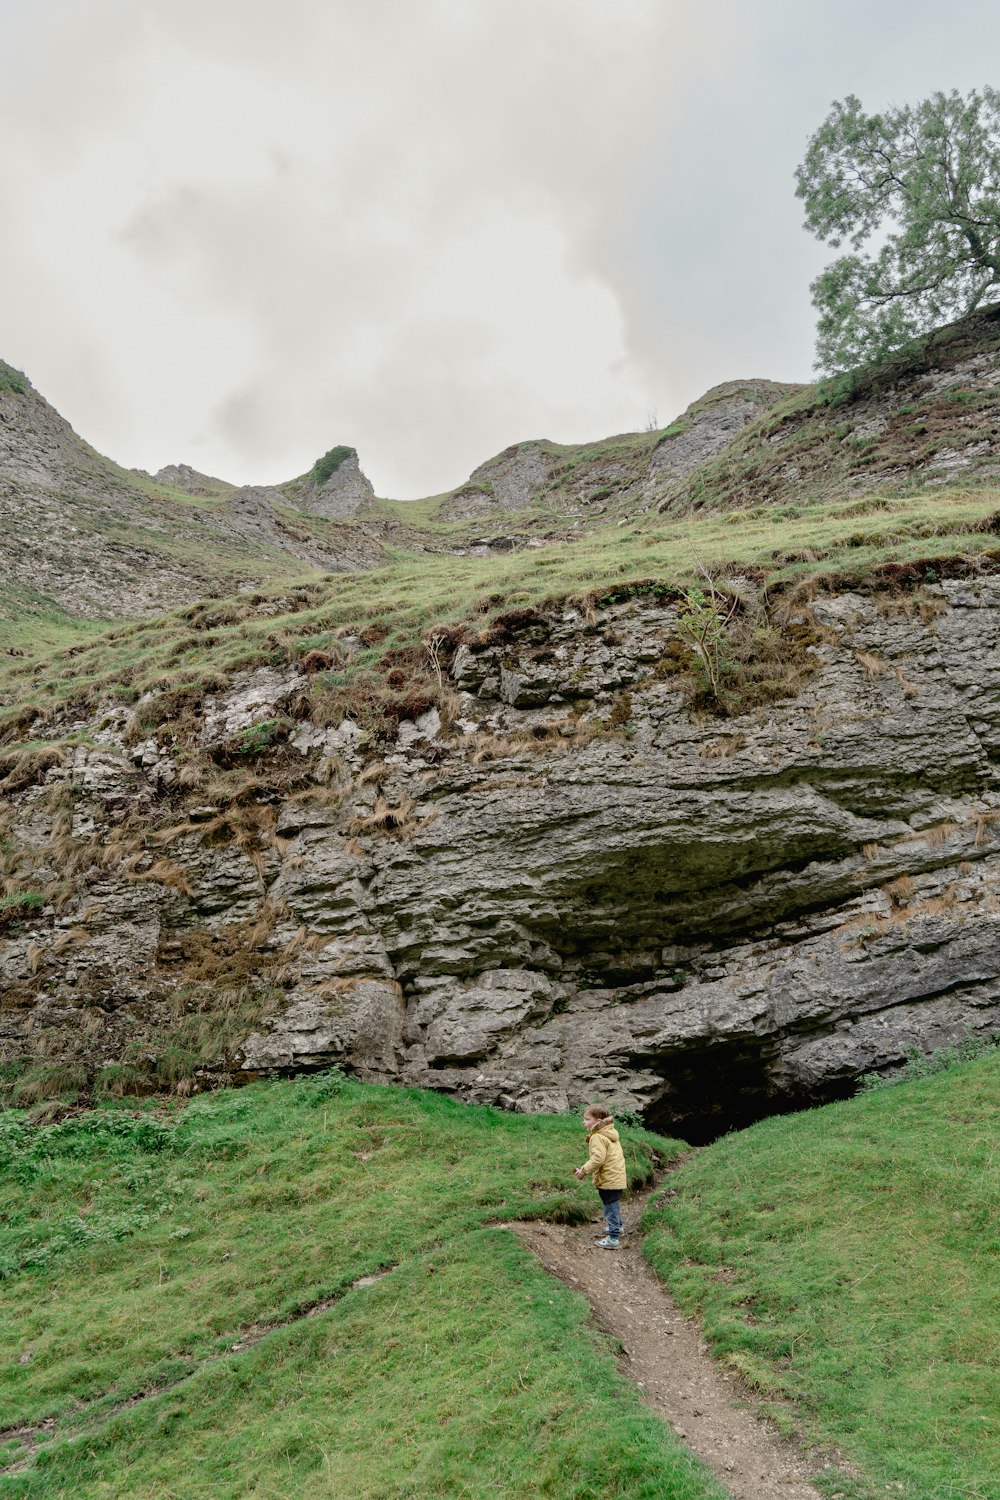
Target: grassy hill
[
  {"x": 296, "y": 1290},
  {"x": 894, "y": 467},
  {"x": 844, "y": 1262}
]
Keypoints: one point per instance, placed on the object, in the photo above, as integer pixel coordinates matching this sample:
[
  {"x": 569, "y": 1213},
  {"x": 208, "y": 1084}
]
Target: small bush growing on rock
[
  {"x": 258, "y": 738},
  {"x": 19, "y": 905},
  {"x": 324, "y": 468}
]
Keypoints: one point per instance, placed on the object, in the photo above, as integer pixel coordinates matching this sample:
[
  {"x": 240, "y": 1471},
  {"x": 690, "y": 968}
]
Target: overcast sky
[{"x": 237, "y": 232}]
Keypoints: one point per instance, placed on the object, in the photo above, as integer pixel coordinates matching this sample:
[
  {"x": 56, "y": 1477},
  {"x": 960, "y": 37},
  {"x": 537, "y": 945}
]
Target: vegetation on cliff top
[
  {"x": 927, "y": 534},
  {"x": 913, "y": 190}
]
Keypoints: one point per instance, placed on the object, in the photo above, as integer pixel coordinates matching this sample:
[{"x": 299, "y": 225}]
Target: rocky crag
[
  {"x": 81, "y": 537},
  {"x": 706, "y": 849}
]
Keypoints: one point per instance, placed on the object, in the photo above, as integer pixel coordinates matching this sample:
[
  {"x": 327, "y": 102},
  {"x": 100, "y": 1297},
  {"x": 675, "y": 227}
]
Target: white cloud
[{"x": 268, "y": 231}]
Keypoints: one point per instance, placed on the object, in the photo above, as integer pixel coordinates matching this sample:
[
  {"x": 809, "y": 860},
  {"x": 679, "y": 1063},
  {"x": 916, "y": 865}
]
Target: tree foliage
[{"x": 915, "y": 193}]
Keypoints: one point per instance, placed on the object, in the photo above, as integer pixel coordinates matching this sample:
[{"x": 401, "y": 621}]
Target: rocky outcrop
[
  {"x": 570, "y": 883},
  {"x": 708, "y": 426},
  {"x": 261, "y": 515},
  {"x": 82, "y": 537},
  {"x": 191, "y": 481},
  {"x": 339, "y": 494},
  {"x": 509, "y": 482},
  {"x": 925, "y": 417},
  {"x": 635, "y": 469}
]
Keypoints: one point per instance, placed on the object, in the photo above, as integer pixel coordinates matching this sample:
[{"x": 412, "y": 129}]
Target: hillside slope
[
  {"x": 81, "y": 537},
  {"x": 843, "y": 1262},
  {"x": 297, "y": 1290}
]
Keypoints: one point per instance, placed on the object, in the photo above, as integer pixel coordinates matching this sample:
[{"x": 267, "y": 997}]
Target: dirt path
[{"x": 665, "y": 1357}]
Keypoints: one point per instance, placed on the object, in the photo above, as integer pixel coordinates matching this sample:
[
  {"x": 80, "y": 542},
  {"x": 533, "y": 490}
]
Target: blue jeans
[{"x": 611, "y": 1198}]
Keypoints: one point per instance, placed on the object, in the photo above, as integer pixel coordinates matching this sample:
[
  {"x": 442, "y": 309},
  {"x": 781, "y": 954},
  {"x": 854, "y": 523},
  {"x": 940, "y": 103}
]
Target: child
[{"x": 606, "y": 1163}]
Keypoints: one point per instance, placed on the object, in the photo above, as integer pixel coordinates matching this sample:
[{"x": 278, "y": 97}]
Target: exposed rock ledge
[{"x": 697, "y": 919}]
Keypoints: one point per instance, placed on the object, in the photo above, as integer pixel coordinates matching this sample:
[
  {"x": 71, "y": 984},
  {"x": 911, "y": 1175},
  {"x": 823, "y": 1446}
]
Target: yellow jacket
[{"x": 607, "y": 1159}]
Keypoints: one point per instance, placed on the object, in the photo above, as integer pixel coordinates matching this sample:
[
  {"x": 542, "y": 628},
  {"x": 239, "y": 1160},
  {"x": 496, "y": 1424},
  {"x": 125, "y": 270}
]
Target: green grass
[
  {"x": 137, "y": 1250},
  {"x": 846, "y": 1262},
  {"x": 419, "y": 589}
]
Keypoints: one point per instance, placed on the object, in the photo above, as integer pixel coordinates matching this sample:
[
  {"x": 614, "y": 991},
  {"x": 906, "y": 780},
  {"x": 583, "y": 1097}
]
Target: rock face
[
  {"x": 707, "y": 427},
  {"x": 341, "y": 495},
  {"x": 183, "y": 477},
  {"x": 261, "y": 515},
  {"x": 509, "y": 482},
  {"x": 569, "y": 886},
  {"x": 634, "y": 469}
]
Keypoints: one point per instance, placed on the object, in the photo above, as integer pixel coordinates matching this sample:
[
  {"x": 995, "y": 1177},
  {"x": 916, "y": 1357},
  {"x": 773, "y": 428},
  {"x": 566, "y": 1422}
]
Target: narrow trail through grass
[{"x": 663, "y": 1355}]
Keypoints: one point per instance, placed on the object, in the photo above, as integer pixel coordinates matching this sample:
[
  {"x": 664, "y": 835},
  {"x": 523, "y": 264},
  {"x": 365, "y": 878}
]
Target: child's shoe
[{"x": 608, "y": 1243}]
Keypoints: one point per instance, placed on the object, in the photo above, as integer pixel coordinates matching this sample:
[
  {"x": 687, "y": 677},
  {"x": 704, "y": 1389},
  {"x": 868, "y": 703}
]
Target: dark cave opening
[{"x": 722, "y": 1087}]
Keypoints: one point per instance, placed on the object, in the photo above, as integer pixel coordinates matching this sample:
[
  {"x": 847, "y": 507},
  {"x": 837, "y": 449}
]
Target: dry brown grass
[
  {"x": 939, "y": 833},
  {"x": 331, "y": 769},
  {"x": 487, "y": 747},
  {"x": 388, "y": 820},
  {"x": 304, "y": 941},
  {"x": 73, "y": 937},
  {"x": 910, "y": 689},
  {"x": 23, "y": 766},
  {"x": 899, "y": 891},
  {"x": 985, "y": 823},
  {"x": 59, "y": 1081},
  {"x": 722, "y": 748},
  {"x": 872, "y": 666},
  {"x": 165, "y": 872}
]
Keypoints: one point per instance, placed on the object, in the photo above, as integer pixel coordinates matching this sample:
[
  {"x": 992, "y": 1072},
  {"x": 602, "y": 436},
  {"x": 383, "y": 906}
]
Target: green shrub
[
  {"x": 18, "y": 906},
  {"x": 13, "y": 380},
  {"x": 324, "y": 468},
  {"x": 257, "y": 738}
]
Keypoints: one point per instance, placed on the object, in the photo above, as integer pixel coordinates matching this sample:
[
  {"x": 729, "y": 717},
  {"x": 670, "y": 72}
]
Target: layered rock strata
[{"x": 571, "y": 884}]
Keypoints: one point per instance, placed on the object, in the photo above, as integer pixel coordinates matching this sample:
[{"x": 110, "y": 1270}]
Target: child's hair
[{"x": 598, "y": 1112}]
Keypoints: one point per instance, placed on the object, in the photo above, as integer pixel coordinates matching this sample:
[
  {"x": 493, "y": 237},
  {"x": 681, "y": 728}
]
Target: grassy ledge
[
  {"x": 810, "y": 546},
  {"x": 844, "y": 1261},
  {"x": 137, "y": 1249}
]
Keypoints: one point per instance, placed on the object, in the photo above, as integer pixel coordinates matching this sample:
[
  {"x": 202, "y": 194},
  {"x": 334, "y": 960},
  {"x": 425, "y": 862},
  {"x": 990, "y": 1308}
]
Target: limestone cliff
[{"x": 568, "y": 883}]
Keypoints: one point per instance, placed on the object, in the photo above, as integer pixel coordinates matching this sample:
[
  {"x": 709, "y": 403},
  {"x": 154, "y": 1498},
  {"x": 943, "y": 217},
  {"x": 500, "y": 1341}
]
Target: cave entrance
[{"x": 719, "y": 1088}]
